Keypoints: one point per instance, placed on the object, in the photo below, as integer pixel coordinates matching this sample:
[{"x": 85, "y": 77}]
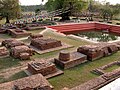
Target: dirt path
[{"x": 6, "y": 73}]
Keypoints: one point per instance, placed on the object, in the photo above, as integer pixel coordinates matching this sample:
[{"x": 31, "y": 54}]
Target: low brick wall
[
  {"x": 75, "y": 28},
  {"x": 101, "y": 71}
]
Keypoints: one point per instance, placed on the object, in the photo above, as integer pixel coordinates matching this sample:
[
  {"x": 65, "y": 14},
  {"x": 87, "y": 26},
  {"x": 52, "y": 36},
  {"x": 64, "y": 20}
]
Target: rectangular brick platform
[
  {"x": 75, "y": 59},
  {"x": 15, "y": 33},
  {"x": 44, "y": 44}
]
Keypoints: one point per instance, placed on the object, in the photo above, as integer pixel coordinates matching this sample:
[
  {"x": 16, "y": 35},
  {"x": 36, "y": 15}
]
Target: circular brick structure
[{"x": 64, "y": 56}]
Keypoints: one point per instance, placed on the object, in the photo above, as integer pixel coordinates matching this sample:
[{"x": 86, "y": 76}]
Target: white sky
[{"x": 38, "y": 2}]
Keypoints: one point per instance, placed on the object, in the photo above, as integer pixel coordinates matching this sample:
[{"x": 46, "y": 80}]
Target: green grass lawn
[
  {"x": 17, "y": 76},
  {"x": 8, "y": 62},
  {"x": 4, "y": 36},
  {"x": 35, "y": 31}
]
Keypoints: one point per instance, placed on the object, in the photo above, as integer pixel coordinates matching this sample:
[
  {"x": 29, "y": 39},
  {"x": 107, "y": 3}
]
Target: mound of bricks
[
  {"x": 44, "y": 44},
  {"x": 67, "y": 60},
  {"x": 34, "y": 36},
  {"x": 15, "y": 33},
  {"x": 97, "y": 51},
  {"x": 22, "y": 52},
  {"x": 43, "y": 67},
  {"x": 34, "y": 82},
  {"x": 24, "y": 56},
  {"x": 3, "y": 51},
  {"x": 9, "y": 43},
  {"x": 93, "y": 52}
]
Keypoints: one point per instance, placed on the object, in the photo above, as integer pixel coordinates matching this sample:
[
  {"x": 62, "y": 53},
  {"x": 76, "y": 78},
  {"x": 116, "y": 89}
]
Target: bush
[
  {"x": 109, "y": 22},
  {"x": 40, "y": 20},
  {"x": 117, "y": 23},
  {"x": 56, "y": 19}
]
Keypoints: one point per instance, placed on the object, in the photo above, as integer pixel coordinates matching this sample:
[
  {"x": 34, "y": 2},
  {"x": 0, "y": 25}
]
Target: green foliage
[
  {"x": 18, "y": 75},
  {"x": 8, "y": 62},
  {"x": 32, "y": 8},
  {"x": 37, "y": 11},
  {"x": 72, "y": 5},
  {"x": 9, "y": 9},
  {"x": 109, "y": 11}
]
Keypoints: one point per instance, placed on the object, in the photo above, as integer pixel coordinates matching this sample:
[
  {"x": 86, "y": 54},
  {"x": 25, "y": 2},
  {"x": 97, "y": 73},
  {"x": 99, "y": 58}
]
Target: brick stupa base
[
  {"x": 47, "y": 69},
  {"x": 68, "y": 60}
]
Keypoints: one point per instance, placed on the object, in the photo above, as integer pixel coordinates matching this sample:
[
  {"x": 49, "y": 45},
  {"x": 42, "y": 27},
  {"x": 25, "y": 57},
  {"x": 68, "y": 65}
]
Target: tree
[
  {"x": 72, "y": 5},
  {"x": 109, "y": 11},
  {"x": 9, "y": 9},
  {"x": 37, "y": 11}
]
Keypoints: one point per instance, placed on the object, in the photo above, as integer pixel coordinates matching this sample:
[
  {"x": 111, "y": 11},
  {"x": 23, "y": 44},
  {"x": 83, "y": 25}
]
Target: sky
[{"x": 38, "y": 2}]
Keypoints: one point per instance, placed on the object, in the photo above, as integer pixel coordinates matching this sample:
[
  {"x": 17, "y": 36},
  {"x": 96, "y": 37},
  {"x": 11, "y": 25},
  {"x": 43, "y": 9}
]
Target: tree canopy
[
  {"x": 73, "y": 5},
  {"x": 9, "y": 9}
]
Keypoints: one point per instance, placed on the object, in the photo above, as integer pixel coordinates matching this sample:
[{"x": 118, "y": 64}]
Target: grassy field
[{"x": 8, "y": 62}]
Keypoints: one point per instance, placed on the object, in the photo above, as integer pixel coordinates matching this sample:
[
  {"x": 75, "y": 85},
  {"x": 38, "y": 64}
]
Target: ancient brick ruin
[
  {"x": 44, "y": 44},
  {"x": 9, "y": 43},
  {"x": 101, "y": 70},
  {"x": 67, "y": 60},
  {"x": 97, "y": 51},
  {"x": 34, "y": 36},
  {"x": 43, "y": 67},
  {"x": 15, "y": 33},
  {"x": 33, "y": 27},
  {"x": 23, "y": 52},
  {"x": 4, "y": 52},
  {"x": 34, "y": 82}
]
